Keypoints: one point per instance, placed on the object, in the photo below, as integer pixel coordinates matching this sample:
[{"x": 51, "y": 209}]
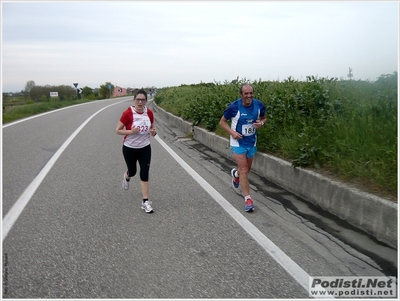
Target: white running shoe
[
  {"x": 235, "y": 180},
  {"x": 146, "y": 207},
  {"x": 125, "y": 183}
]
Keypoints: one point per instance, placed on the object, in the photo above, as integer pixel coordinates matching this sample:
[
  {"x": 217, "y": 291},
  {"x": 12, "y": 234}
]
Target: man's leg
[{"x": 244, "y": 165}]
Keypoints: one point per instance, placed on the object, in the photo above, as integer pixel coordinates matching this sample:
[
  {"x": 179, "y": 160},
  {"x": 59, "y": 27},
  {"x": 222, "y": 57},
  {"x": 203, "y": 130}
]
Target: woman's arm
[
  {"x": 122, "y": 131},
  {"x": 153, "y": 130}
]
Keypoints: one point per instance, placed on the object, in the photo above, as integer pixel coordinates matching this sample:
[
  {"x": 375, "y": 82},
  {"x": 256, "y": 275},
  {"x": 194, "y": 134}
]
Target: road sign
[{"x": 76, "y": 85}]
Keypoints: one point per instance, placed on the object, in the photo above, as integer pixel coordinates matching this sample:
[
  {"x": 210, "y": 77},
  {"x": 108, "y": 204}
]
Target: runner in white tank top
[{"x": 137, "y": 126}]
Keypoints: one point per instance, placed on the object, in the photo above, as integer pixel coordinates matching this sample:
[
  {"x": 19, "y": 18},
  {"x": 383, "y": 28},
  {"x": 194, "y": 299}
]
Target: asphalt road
[{"x": 80, "y": 235}]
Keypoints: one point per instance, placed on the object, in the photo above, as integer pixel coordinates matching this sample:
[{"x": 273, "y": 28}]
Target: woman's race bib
[{"x": 143, "y": 125}]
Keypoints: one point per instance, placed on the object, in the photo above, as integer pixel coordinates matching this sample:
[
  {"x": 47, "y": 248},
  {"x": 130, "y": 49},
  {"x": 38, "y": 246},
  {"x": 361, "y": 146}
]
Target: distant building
[{"x": 118, "y": 91}]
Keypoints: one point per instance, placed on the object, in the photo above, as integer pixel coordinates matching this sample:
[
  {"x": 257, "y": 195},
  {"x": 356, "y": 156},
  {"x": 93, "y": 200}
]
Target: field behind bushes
[{"x": 341, "y": 128}]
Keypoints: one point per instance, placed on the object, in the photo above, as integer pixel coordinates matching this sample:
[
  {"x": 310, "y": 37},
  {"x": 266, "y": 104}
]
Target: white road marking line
[
  {"x": 285, "y": 261},
  {"x": 19, "y": 205}
]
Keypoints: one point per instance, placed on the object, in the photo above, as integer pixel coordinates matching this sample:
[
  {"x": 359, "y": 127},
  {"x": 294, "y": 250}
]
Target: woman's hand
[{"x": 135, "y": 130}]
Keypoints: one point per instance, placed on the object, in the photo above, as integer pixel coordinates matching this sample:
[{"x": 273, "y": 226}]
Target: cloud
[{"x": 167, "y": 43}]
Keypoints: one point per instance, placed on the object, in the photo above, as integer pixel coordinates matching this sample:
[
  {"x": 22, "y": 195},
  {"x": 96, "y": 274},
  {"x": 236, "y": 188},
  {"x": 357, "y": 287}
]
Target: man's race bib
[{"x": 248, "y": 129}]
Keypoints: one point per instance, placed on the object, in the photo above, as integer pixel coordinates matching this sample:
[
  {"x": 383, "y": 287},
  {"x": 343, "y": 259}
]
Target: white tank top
[{"x": 141, "y": 139}]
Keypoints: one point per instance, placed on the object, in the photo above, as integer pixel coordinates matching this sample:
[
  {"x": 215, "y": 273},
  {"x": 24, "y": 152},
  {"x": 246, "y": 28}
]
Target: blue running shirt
[{"x": 243, "y": 119}]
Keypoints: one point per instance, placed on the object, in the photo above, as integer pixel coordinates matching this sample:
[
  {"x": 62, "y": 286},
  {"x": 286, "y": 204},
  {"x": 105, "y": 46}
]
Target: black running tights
[{"x": 132, "y": 156}]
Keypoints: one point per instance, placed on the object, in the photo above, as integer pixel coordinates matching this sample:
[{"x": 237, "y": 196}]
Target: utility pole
[
  {"x": 76, "y": 87},
  {"x": 350, "y": 75}
]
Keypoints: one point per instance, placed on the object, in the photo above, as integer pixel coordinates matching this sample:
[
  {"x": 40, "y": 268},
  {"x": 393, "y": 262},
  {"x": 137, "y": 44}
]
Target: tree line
[{"x": 35, "y": 93}]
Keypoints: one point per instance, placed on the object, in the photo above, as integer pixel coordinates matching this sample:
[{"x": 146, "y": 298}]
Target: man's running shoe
[
  {"x": 125, "y": 183},
  {"x": 146, "y": 207},
  {"x": 235, "y": 180},
  {"x": 249, "y": 205}
]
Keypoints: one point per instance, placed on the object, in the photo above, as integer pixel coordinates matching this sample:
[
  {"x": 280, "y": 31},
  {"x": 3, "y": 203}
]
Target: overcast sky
[{"x": 169, "y": 43}]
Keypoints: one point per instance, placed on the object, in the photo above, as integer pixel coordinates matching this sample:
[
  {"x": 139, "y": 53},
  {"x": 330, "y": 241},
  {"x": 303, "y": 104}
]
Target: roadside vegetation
[
  {"x": 341, "y": 128},
  {"x": 36, "y": 99},
  {"x": 16, "y": 112}
]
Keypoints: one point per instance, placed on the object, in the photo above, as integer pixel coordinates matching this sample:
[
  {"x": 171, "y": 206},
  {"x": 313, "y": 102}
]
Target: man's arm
[
  {"x": 260, "y": 122},
  {"x": 225, "y": 126}
]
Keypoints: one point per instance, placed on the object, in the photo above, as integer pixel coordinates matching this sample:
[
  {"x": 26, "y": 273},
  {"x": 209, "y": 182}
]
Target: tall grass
[
  {"x": 29, "y": 109},
  {"x": 348, "y": 128}
]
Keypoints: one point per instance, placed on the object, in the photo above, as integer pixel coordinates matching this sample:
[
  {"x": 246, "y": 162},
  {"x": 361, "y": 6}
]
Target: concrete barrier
[{"x": 372, "y": 214}]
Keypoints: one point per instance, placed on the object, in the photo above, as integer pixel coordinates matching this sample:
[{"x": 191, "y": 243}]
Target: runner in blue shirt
[{"x": 247, "y": 115}]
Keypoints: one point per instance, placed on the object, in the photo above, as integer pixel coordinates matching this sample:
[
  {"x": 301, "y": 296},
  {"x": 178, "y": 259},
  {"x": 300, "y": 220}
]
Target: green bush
[{"x": 346, "y": 127}]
